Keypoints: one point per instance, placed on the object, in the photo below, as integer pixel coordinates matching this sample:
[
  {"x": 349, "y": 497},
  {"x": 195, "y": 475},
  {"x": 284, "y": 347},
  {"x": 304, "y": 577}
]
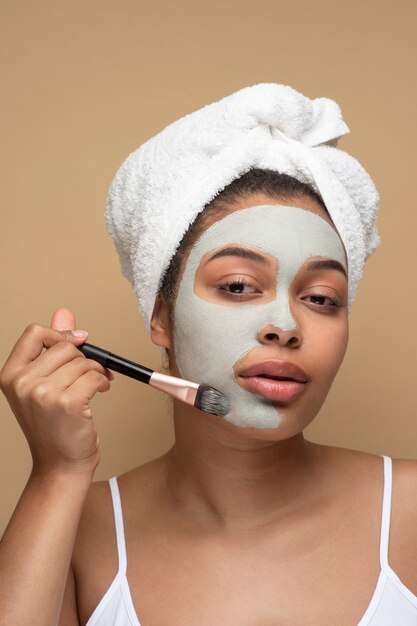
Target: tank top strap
[
  {"x": 118, "y": 523},
  {"x": 386, "y": 513}
]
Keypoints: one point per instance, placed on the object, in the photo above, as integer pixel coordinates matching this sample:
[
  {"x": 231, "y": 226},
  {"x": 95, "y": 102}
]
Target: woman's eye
[
  {"x": 321, "y": 300},
  {"x": 237, "y": 287}
]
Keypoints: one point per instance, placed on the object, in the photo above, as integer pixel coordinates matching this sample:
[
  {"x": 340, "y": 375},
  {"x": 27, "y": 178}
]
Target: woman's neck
[{"x": 219, "y": 478}]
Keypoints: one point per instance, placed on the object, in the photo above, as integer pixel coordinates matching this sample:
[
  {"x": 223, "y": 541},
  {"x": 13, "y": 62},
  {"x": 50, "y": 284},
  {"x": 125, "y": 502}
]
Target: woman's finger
[
  {"x": 37, "y": 337},
  {"x": 63, "y": 319},
  {"x": 70, "y": 372},
  {"x": 52, "y": 359},
  {"x": 62, "y": 365},
  {"x": 77, "y": 397}
]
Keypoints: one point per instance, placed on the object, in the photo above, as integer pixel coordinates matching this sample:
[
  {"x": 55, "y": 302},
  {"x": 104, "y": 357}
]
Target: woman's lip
[
  {"x": 273, "y": 390},
  {"x": 275, "y": 368}
]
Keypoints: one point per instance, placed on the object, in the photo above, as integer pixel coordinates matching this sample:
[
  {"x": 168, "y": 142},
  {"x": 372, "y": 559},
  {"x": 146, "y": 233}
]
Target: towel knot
[{"x": 325, "y": 126}]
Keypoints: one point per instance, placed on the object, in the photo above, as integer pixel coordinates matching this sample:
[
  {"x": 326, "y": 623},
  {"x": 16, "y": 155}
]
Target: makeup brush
[{"x": 201, "y": 396}]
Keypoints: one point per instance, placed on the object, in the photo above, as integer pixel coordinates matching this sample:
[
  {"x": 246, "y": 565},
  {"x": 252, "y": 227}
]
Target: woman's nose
[{"x": 273, "y": 334}]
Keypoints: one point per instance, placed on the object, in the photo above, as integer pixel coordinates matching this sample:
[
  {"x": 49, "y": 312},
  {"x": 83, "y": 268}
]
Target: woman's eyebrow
[
  {"x": 243, "y": 253},
  {"x": 326, "y": 264}
]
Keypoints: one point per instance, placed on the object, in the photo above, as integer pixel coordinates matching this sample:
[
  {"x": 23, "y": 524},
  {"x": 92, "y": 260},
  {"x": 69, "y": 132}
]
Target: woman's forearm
[
  {"x": 36, "y": 548},
  {"x": 49, "y": 387}
]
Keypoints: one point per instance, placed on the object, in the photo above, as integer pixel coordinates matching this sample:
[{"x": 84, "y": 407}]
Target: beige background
[{"x": 84, "y": 83}]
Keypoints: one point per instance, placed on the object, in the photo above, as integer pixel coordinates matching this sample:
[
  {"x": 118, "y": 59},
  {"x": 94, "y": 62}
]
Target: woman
[{"x": 243, "y": 521}]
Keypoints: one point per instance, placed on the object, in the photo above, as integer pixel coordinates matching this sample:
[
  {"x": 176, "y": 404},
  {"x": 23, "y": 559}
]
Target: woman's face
[{"x": 261, "y": 313}]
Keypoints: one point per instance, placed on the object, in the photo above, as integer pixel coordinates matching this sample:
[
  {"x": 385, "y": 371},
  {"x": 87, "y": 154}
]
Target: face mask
[{"x": 210, "y": 338}]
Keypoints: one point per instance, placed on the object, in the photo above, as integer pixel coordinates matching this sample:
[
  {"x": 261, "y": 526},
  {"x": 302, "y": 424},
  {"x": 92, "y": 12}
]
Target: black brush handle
[{"x": 116, "y": 363}]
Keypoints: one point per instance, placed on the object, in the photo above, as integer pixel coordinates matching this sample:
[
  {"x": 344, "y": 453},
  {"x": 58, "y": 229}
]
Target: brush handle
[{"x": 116, "y": 363}]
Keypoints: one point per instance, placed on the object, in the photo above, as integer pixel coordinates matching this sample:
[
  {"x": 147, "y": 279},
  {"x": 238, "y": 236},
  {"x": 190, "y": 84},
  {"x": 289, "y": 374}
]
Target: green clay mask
[{"x": 210, "y": 338}]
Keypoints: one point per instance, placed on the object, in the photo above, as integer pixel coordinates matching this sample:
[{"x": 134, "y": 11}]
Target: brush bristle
[{"x": 211, "y": 401}]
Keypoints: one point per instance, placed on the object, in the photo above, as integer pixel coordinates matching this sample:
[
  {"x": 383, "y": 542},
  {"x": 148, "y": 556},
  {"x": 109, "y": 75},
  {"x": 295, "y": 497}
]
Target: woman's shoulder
[
  {"x": 356, "y": 481},
  {"x": 404, "y": 470},
  {"x": 365, "y": 474},
  {"x": 95, "y": 554},
  {"x": 359, "y": 473},
  {"x": 138, "y": 483}
]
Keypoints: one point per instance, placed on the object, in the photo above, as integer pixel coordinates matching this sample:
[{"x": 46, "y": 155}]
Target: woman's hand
[{"x": 49, "y": 385}]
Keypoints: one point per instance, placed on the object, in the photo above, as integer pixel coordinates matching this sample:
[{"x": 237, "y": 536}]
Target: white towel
[{"x": 163, "y": 185}]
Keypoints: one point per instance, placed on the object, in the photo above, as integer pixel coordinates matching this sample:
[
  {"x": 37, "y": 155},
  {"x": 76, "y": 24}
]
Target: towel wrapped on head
[{"x": 162, "y": 186}]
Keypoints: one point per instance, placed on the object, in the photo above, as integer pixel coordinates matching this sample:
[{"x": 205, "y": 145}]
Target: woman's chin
[{"x": 291, "y": 423}]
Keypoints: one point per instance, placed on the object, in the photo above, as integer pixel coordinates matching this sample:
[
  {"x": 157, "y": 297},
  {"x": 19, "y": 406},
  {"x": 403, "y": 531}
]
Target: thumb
[{"x": 63, "y": 319}]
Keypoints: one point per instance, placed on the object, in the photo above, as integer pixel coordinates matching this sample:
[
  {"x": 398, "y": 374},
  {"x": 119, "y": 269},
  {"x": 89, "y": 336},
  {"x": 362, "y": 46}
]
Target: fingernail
[{"x": 79, "y": 333}]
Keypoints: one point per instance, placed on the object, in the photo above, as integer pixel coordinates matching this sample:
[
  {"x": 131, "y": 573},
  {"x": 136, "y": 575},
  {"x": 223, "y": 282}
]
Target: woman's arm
[
  {"x": 35, "y": 551},
  {"x": 48, "y": 384}
]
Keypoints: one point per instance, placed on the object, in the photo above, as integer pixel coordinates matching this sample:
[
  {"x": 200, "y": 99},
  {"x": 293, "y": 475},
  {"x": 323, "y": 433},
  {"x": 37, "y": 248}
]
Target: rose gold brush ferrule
[{"x": 183, "y": 390}]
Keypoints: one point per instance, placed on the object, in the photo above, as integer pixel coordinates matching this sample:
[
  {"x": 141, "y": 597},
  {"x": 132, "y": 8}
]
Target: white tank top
[{"x": 392, "y": 604}]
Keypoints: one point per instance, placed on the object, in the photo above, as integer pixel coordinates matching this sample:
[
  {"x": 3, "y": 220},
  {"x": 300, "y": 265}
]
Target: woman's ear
[{"x": 161, "y": 323}]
